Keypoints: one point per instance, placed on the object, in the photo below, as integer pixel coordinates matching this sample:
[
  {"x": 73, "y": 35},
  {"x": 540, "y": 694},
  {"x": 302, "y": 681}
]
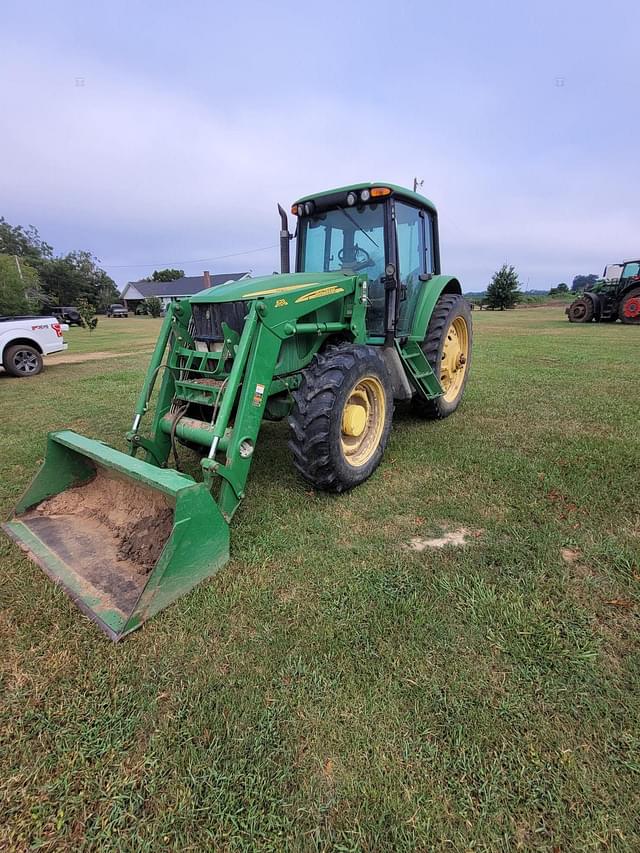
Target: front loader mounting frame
[{"x": 241, "y": 392}]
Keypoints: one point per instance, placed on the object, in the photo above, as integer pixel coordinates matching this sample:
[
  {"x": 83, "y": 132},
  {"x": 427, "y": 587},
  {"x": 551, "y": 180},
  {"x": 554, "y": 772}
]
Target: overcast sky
[{"x": 164, "y": 134}]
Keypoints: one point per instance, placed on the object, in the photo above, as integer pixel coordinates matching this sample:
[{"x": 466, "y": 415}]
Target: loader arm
[
  {"x": 126, "y": 536},
  {"x": 238, "y": 395}
]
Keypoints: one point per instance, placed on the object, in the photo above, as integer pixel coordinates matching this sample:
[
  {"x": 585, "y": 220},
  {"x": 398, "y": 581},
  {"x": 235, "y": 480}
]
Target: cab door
[{"x": 414, "y": 252}]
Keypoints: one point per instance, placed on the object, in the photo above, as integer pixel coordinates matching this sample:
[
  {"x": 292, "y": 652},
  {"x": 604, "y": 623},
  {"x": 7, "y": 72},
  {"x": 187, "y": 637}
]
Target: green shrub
[{"x": 154, "y": 306}]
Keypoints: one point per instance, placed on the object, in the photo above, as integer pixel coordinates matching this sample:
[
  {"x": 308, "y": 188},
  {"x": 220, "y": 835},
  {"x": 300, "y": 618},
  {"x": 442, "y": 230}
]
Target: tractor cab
[
  {"x": 384, "y": 231},
  {"x": 630, "y": 273},
  {"x": 612, "y": 272}
]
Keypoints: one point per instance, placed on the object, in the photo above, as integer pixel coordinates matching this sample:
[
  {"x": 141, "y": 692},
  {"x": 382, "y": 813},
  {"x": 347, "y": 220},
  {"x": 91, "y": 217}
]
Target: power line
[{"x": 159, "y": 264}]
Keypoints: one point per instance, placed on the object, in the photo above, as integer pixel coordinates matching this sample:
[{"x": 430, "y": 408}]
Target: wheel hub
[
  {"x": 632, "y": 308},
  {"x": 354, "y": 419},
  {"x": 363, "y": 419},
  {"x": 455, "y": 355},
  {"x": 25, "y": 361}
]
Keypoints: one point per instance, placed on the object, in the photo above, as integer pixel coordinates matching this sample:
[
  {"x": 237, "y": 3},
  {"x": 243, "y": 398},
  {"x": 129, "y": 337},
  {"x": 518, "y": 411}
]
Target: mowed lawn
[{"x": 331, "y": 689}]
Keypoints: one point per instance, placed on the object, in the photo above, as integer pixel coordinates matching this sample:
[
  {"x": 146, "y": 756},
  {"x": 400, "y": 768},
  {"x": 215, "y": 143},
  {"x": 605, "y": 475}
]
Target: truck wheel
[
  {"x": 22, "y": 360},
  {"x": 581, "y": 310},
  {"x": 447, "y": 347},
  {"x": 341, "y": 417},
  {"x": 629, "y": 310}
]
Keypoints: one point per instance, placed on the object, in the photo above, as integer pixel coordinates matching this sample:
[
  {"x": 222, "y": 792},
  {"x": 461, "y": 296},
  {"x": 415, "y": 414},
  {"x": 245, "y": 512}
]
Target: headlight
[
  {"x": 365, "y": 195},
  {"x": 351, "y": 199},
  {"x": 308, "y": 207}
]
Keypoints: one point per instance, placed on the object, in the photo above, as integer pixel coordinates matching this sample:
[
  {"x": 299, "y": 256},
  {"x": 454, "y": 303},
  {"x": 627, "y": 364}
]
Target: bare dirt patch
[
  {"x": 457, "y": 538},
  {"x": 138, "y": 518},
  {"x": 570, "y": 555},
  {"x": 286, "y": 595},
  {"x": 78, "y": 358}
]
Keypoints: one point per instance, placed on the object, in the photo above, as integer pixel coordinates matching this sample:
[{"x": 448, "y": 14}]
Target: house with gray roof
[{"x": 168, "y": 291}]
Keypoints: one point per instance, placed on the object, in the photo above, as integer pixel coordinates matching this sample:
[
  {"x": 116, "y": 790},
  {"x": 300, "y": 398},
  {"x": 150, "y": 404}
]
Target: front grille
[{"x": 209, "y": 317}]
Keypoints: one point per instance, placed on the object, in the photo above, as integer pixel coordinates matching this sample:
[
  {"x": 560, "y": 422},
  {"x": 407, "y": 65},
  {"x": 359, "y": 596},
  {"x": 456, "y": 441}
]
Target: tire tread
[{"x": 310, "y": 418}]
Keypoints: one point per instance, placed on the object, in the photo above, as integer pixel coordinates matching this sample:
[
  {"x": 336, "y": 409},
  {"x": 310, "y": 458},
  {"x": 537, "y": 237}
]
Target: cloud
[{"x": 143, "y": 170}]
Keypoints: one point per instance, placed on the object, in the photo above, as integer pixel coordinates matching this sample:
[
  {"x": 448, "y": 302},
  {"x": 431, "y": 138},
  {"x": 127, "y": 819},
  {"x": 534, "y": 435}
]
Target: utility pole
[{"x": 417, "y": 185}]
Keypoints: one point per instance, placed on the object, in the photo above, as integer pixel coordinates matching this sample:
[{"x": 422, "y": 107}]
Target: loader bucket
[{"x": 123, "y": 537}]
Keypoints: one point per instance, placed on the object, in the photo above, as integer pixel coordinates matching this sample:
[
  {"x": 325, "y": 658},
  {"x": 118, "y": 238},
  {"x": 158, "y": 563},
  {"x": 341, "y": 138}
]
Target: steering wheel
[{"x": 361, "y": 258}]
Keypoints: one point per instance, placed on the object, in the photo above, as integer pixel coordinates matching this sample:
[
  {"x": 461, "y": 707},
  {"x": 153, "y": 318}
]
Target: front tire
[
  {"x": 581, "y": 310},
  {"x": 22, "y": 361},
  {"x": 341, "y": 417},
  {"x": 447, "y": 347}
]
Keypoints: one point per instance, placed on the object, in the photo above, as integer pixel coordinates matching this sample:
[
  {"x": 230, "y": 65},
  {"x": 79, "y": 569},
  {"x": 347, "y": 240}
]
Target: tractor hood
[{"x": 271, "y": 285}]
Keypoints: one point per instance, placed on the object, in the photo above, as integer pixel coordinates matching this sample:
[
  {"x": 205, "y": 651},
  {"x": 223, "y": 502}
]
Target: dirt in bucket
[{"x": 139, "y": 519}]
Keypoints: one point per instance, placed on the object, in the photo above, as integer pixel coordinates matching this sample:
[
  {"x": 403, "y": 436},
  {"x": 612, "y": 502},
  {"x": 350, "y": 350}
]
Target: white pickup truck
[{"x": 25, "y": 340}]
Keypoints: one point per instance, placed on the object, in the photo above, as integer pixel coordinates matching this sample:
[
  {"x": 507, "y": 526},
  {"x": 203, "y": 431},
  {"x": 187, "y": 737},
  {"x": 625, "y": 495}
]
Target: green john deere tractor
[
  {"x": 614, "y": 296},
  {"x": 366, "y": 319}
]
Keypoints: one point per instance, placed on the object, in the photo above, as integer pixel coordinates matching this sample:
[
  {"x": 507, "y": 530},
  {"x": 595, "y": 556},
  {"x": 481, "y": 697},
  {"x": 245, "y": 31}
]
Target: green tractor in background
[
  {"x": 614, "y": 296},
  {"x": 366, "y": 319}
]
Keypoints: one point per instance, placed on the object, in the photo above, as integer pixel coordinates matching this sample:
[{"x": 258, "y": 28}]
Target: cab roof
[{"x": 396, "y": 191}]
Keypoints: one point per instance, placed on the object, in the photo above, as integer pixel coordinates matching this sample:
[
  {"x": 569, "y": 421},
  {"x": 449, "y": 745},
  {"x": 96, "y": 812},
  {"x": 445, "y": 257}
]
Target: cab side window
[
  {"x": 631, "y": 270},
  {"x": 413, "y": 256},
  {"x": 430, "y": 264}
]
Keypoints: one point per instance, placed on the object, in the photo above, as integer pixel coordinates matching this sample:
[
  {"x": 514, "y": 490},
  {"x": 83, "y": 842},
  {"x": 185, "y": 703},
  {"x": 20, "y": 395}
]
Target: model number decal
[
  {"x": 316, "y": 294},
  {"x": 273, "y": 290},
  {"x": 36, "y": 328}
]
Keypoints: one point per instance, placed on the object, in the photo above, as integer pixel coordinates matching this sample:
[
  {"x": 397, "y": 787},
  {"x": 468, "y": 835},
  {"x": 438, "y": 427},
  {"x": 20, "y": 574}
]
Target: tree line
[
  {"x": 34, "y": 278},
  {"x": 504, "y": 292}
]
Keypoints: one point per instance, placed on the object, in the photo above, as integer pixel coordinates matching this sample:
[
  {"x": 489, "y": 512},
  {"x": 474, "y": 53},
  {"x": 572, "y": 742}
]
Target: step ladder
[{"x": 420, "y": 371}]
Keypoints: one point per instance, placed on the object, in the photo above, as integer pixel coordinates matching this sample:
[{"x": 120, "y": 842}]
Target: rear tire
[
  {"x": 629, "y": 308},
  {"x": 581, "y": 310},
  {"x": 22, "y": 361},
  {"x": 447, "y": 347},
  {"x": 341, "y": 417}
]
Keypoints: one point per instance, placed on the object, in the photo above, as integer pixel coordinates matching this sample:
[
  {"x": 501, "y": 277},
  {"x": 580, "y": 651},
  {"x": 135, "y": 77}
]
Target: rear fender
[
  {"x": 19, "y": 339},
  {"x": 633, "y": 284},
  {"x": 597, "y": 302},
  {"x": 431, "y": 291}
]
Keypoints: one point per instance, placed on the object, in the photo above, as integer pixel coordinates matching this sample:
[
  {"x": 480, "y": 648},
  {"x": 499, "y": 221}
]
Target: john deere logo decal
[
  {"x": 273, "y": 290},
  {"x": 316, "y": 294}
]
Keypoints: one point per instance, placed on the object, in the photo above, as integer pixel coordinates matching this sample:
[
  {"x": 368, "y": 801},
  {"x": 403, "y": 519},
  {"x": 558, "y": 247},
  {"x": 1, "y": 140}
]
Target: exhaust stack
[{"x": 285, "y": 236}]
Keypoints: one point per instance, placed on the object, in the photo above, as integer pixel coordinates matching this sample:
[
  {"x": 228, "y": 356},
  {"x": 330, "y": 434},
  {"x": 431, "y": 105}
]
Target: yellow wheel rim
[
  {"x": 363, "y": 420},
  {"x": 455, "y": 359}
]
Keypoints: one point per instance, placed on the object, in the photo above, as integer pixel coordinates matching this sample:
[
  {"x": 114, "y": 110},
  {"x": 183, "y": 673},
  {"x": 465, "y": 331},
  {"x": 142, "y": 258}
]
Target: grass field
[{"x": 331, "y": 689}]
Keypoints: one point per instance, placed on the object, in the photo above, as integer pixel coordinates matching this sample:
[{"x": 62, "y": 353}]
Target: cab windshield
[{"x": 347, "y": 238}]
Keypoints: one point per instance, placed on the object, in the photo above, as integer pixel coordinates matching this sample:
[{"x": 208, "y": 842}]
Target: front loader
[{"x": 366, "y": 319}]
